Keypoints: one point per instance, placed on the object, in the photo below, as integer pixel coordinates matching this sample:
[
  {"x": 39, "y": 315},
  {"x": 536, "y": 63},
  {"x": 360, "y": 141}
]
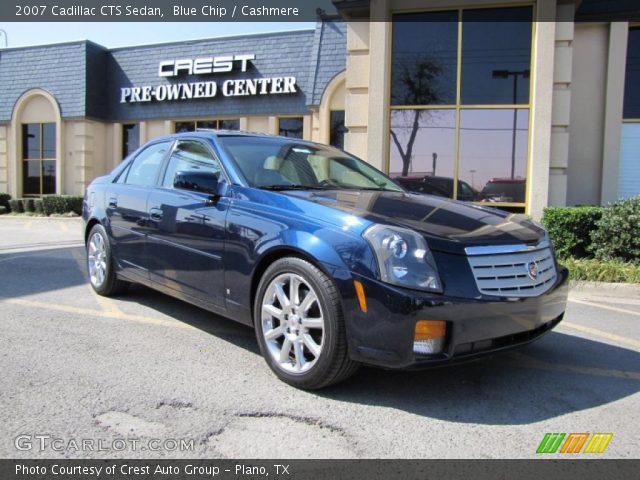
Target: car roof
[{"x": 215, "y": 133}]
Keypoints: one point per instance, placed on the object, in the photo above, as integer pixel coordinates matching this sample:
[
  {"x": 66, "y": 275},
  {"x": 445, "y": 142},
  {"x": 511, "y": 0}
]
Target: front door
[{"x": 187, "y": 226}]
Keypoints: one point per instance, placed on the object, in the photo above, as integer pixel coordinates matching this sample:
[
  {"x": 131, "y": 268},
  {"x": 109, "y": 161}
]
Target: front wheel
[
  {"x": 299, "y": 325},
  {"x": 100, "y": 264}
]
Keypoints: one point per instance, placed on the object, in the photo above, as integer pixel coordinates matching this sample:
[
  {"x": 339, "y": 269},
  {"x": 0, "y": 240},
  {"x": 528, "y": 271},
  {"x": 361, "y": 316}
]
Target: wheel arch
[
  {"x": 90, "y": 224},
  {"x": 273, "y": 255}
]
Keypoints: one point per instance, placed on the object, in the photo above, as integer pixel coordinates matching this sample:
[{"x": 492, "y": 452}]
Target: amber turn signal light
[
  {"x": 429, "y": 336},
  {"x": 362, "y": 299}
]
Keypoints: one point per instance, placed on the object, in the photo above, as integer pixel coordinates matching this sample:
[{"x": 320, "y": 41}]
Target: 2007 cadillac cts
[{"x": 333, "y": 263}]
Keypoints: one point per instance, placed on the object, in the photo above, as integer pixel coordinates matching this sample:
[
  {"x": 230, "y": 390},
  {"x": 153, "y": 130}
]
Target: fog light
[{"x": 429, "y": 336}]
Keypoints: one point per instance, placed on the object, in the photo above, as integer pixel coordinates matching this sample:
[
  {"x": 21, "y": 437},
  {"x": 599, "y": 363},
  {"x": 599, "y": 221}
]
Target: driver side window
[{"x": 190, "y": 157}]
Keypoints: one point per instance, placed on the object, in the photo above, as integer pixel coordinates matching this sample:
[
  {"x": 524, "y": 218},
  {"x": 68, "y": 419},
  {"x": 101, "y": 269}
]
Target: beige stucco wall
[
  {"x": 586, "y": 125},
  {"x": 4, "y": 159},
  {"x": 84, "y": 155}
]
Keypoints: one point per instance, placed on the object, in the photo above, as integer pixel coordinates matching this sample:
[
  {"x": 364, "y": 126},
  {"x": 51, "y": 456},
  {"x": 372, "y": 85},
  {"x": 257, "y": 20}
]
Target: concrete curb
[{"x": 606, "y": 288}]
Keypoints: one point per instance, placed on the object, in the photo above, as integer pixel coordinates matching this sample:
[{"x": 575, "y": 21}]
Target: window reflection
[
  {"x": 424, "y": 58},
  {"x": 336, "y": 135},
  {"x": 39, "y": 158},
  {"x": 291, "y": 127},
  {"x": 130, "y": 138},
  {"x": 422, "y": 143},
  {"x": 632, "y": 76},
  {"x": 496, "y": 56},
  {"x": 494, "y": 146}
]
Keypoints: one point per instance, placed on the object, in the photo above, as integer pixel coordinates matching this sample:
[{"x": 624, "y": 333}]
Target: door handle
[
  {"x": 155, "y": 214},
  {"x": 113, "y": 202}
]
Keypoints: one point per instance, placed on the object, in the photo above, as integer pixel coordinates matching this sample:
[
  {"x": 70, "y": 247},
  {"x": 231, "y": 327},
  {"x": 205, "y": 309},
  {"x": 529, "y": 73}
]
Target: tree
[{"x": 415, "y": 84}]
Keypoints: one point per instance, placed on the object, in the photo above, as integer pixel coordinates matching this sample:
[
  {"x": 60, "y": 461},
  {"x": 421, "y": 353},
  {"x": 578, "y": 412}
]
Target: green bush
[
  {"x": 617, "y": 236},
  {"x": 38, "y": 208},
  {"x": 4, "y": 201},
  {"x": 592, "y": 270},
  {"x": 28, "y": 205},
  {"x": 3, "y": 210},
  {"x": 61, "y": 204},
  {"x": 570, "y": 229},
  {"x": 15, "y": 204}
]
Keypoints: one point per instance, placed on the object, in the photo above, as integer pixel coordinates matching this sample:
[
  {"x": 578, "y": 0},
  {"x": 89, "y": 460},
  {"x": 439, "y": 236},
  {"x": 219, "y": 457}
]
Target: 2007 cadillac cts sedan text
[{"x": 333, "y": 263}]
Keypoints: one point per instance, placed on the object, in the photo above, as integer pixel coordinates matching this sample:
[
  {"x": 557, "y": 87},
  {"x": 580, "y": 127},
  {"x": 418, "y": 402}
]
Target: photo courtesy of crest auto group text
[{"x": 331, "y": 239}]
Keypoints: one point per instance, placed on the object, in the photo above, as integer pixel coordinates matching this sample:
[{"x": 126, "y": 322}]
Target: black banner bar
[
  {"x": 266, "y": 10},
  {"x": 560, "y": 469}
]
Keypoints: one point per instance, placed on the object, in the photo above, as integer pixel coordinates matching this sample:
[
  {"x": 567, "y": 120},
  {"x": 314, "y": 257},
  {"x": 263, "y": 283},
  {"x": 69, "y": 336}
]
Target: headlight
[{"x": 403, "y": 258}]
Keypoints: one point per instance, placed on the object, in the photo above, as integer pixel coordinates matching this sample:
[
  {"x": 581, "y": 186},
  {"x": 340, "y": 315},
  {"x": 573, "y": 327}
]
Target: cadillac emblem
[{"x": 532, "y": 270}]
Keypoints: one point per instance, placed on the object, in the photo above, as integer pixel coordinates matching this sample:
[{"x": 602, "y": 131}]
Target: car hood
[{"x": 450, "y": 225}]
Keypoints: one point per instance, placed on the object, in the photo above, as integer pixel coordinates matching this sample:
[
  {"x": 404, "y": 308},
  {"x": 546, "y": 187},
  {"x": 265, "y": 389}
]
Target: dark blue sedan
[{"x": 331, "y": 262}]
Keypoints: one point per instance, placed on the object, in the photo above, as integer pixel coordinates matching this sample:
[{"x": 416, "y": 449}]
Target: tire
[
  {"x": 100, "y": 264},
  {"x": 302, "y": 338}
]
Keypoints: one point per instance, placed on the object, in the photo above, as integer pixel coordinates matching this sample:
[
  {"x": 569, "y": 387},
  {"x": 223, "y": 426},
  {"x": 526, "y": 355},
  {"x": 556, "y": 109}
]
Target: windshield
[{"x": 279, "y": 163}]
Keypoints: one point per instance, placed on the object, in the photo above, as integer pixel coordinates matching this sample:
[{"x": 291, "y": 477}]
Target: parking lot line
[
  {"x": 528, "y": 361},
  {"x": 606, "y": 307},
  {"x": 97, "y": 313},
  {"x": 105, "y": 303},
  {"x": 600, "y": 333}
]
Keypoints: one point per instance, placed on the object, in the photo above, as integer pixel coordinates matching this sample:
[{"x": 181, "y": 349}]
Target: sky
[{"x": 112, "y": 35}]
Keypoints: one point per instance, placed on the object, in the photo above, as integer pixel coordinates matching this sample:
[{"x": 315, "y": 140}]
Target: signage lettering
[{"x": 207, "y": 89}]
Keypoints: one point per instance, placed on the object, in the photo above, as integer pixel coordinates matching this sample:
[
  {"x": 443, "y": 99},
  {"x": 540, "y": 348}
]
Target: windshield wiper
[{"x": 294, "y": 187}]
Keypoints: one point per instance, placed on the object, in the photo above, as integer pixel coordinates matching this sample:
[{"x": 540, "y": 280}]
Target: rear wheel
[
  {"x": 102, "y": 275},
  {"x": 299, "y": 325}
]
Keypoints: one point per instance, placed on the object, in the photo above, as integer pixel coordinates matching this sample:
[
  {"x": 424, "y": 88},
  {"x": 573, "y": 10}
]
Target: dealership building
[{"x": 526, "y": 104}]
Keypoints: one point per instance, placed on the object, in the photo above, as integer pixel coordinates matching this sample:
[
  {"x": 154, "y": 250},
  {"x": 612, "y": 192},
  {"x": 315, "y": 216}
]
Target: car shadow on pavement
[
  {"x": 556, "y": 375},
  {"x": 40, "y": 271},
  {"x": 224, "y": 328}
]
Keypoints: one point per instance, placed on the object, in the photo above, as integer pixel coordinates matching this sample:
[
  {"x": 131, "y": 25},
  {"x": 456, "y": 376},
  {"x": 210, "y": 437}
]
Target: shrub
[
  {"x": 3, "y": 210},
  {"x": 4, "y": 201},
  {"x": 570, "y": 229},
  {"x": 38, "y": 208},
  {"x": 15, "y": 205},
  {"x": 617, "y": 236},
  {"x": 61, "y": 204},
  {"x": 28, "y": 205}
]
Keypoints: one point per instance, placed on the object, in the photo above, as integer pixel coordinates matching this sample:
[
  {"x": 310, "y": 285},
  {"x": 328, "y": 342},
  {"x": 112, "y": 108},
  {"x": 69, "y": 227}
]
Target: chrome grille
[{"x": 506, "y": 271}]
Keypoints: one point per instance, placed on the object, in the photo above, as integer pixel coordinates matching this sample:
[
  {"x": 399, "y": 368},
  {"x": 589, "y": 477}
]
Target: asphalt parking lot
[{"x": 149, "y": 371}]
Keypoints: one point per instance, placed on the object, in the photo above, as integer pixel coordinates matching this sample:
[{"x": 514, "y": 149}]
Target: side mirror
[{"x": 197, "y": 181}]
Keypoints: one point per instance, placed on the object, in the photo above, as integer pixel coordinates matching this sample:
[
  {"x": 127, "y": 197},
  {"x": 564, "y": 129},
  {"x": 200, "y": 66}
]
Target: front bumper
[{"x": 384, "y": 335}]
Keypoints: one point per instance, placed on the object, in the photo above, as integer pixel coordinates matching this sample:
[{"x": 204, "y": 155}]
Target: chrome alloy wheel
[
  {"x": 97, "y": 260},
  {"x": 292, "y": 323}
]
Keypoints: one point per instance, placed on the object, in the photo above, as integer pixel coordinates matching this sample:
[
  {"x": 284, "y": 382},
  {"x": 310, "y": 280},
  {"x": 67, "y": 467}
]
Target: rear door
[
  {"x": 187, "y": 227},
  {"x": 126, "y": 202}
]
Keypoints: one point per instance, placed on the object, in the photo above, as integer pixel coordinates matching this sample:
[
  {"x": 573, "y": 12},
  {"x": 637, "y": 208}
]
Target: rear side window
[{"x": 146, "y": 165}]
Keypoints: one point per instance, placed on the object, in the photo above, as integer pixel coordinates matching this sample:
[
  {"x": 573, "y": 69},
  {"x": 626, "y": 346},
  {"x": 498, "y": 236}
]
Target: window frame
[
  {"x": 632, "y": 26},
  {"x": 123, "y": 144},
  {"x": 167, "y": 159},
  {"x": 281, "y": 117},
  {"x": 458, "y": 106},
  {"x": 196, "y": 121},
  {"x": 41, "y": 158}
]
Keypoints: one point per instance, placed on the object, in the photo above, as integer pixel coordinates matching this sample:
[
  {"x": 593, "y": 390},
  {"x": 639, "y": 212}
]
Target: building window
[
  {"x": 39, "y": 158},
  {"x": 336, "y": 134},
  {"x": 130, "y": 138},
  {"x": 460, "y": 100},
  {"x": 220, "y": 124},
  {"x": 291, "y": 127},
  {"x": 629, "y": 170}
]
